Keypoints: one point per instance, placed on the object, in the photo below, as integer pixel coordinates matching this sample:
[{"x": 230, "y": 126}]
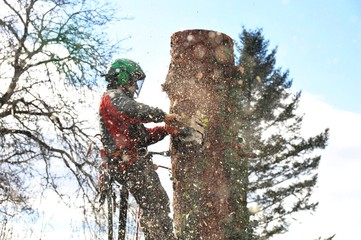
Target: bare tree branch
[{"x": 52, "y": 56}]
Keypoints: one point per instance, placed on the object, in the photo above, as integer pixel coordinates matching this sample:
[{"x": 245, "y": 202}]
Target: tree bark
[{"x": 198, "y": 83}]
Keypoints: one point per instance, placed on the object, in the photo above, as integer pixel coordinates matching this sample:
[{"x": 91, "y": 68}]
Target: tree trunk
[{"x": 198, "y": 84}]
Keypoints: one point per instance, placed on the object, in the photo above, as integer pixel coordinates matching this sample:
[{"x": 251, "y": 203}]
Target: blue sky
[{"x": 318, "y": 41}]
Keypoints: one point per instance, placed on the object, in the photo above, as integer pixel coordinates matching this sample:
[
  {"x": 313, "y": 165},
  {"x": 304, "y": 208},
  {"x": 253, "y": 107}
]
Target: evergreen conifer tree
[{"x": 281, "y": 177}]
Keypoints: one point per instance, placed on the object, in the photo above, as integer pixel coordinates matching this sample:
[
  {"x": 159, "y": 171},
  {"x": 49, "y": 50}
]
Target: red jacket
[{"x": 121, "y": 123}]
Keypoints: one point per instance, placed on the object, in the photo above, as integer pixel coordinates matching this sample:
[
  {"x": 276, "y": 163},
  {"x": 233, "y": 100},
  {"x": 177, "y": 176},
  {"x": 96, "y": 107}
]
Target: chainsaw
[{"x": 191, "y": 134}]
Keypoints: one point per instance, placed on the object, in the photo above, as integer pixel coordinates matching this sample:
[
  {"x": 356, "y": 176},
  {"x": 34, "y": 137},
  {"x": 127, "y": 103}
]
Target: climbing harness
[{"x": 107, "y": 193}]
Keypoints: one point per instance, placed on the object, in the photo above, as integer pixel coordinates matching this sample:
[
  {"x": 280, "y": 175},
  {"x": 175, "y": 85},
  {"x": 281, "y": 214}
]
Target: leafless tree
[{"x": 52, "y": 53}]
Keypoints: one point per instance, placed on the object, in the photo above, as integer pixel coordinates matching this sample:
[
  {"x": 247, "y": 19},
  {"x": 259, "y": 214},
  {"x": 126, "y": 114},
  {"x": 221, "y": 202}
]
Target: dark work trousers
[{"x": 144, "y": 184}]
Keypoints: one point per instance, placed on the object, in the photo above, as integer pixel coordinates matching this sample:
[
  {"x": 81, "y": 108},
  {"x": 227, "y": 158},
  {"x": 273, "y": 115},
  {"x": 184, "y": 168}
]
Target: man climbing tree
[{"x": 125, "y": 140}]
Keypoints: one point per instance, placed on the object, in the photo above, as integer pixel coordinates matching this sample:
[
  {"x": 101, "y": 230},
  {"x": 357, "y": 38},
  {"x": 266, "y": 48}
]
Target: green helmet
[{"x": 125, "y": 71}]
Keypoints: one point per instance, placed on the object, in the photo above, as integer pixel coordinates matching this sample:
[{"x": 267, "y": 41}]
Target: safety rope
[
  {"x": 110, "y": 214},
  {"x": 123, "y": 210}
]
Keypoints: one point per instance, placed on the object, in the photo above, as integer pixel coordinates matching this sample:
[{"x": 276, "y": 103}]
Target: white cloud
[{"x": 339, "y": 191}]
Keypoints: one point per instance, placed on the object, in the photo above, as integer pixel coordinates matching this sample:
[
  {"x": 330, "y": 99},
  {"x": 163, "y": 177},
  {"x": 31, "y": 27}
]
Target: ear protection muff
[
  {"x": 123, "y": 78},
  {"x": 122, "y": 72}
]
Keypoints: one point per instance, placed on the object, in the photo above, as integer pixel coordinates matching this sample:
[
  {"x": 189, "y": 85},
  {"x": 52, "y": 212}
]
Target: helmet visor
[{"x": 140, "y": 85}]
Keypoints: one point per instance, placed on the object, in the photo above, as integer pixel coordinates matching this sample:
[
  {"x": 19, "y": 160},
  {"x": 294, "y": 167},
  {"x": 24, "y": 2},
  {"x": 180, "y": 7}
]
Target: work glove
[
  {"x": 172, "y": 125},
  {"x": 170, "y": 118}
]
